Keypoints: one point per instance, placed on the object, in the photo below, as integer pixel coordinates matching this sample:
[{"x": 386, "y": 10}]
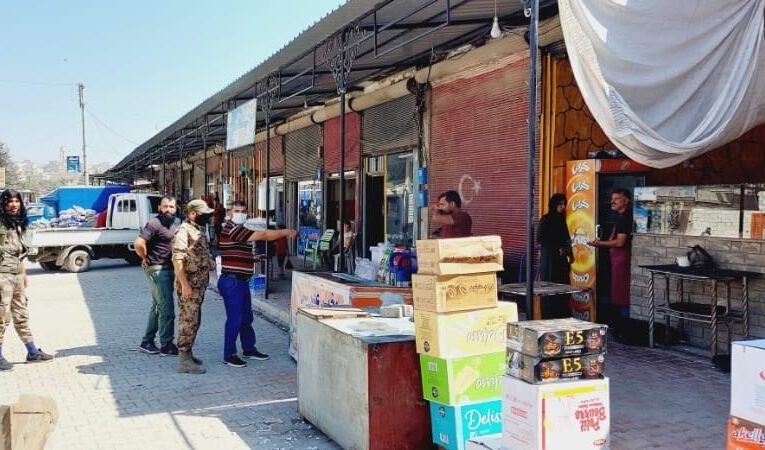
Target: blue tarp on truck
[{"x": 88, "y": 197}]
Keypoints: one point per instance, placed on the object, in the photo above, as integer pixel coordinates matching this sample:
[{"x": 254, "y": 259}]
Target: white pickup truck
[{"x": 74, "y": 248}]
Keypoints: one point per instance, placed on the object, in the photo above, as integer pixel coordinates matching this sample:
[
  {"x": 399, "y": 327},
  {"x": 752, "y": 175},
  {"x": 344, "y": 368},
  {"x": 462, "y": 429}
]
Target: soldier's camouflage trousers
[
  {"x": 189, "y": 317},
  {"x": 13, "y": 307}
]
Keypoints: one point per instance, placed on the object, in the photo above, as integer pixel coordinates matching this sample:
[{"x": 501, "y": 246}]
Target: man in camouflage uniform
[
  {"x": 192, "y": 262},
  {"x": 13, "y": 276}
]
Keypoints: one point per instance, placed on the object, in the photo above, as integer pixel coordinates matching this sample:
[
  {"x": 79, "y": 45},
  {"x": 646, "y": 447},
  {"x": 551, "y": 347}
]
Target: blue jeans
[
  {"x": 162, "y": 312},
  {"x": 236, "y": 298}
]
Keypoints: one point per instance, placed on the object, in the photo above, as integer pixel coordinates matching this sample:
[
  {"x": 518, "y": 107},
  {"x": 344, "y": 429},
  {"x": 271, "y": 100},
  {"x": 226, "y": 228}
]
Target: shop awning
[
  {"x": 667, "y": 81},
  {"x": 395, "y": 35}
]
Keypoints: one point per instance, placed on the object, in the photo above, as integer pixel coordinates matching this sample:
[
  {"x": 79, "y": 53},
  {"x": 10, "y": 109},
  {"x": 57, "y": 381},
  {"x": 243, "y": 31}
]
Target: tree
[{"x": 11, "y": 171}]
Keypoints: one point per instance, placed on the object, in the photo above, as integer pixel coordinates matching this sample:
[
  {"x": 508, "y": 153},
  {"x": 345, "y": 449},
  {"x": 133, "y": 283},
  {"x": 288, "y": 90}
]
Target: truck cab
[
  {"x": 74, "y": 248},
  {"x": 131, "y": 211}
]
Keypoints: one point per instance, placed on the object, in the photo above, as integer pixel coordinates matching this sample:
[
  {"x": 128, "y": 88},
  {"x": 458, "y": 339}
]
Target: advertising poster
[
  {"x": 240, "y": 125},
  {"x": 580, "y": 218},
  {"x": 72, "y": 164},
  {"x": 228, "y": 197},
  {"x": 308, "y": 290}
]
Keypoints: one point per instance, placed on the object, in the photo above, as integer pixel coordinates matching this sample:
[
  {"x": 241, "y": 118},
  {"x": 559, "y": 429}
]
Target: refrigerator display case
[
  {"x": 589, "y": 184},
  {"x": 332, "y": 289}
]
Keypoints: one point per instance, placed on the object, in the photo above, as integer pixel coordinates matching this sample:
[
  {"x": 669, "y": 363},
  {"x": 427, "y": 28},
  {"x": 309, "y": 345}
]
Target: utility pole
[{"x": 81, "y": 88}]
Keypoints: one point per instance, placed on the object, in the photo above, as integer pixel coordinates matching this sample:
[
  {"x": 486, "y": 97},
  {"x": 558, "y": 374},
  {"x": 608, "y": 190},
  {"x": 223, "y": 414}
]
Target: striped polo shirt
[{"x": 236, "y": 252}]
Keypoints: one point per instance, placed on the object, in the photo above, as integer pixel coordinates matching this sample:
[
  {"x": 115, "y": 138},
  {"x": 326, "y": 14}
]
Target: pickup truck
[{"x": 74, "y": 248}]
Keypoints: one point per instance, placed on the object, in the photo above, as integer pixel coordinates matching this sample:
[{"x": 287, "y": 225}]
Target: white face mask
[{"x": 239, "y": 217}]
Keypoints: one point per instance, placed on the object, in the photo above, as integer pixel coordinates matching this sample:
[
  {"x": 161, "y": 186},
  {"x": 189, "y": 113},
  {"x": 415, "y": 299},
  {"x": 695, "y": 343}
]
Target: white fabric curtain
[{"x": 668, "y": 80}]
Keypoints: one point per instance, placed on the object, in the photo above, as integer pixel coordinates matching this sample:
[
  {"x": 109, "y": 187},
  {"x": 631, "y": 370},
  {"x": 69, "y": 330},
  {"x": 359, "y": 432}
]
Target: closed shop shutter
[
  {"x": 479, "y": 148},
  {"x": 277, "y": 155},
  {"x": 332, "y": 143},
  {"x": 390, "y": 126},
  {"x": 301, "y": 152}
]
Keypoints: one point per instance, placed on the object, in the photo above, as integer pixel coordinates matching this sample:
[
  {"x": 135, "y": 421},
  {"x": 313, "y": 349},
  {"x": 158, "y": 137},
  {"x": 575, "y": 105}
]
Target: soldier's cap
[{"x": 198, "y": 206}]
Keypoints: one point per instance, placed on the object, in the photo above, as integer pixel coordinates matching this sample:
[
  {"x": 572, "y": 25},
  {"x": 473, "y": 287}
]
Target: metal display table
[
  {"x": 541, "y": 289},
  {"x": 698, "y": 312}
]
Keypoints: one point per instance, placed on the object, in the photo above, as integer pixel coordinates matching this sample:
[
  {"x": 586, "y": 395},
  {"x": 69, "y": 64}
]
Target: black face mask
[
  {"x": 166, "y": 219},
  {"x": 202, "y": 220}
]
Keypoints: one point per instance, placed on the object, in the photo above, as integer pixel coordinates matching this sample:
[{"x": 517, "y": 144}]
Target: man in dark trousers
[
  {"x": 154, "y": 247},
  {"x": 448, "y": 215},
  {"x": 619, "y": 245},
  {"x": 237, "y": 264}
]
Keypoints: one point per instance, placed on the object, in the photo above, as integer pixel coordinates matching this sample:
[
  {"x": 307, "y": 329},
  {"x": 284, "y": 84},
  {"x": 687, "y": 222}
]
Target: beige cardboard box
[
  {"x": 446, "y": 293},
  {"x": 459, "y": 256},
  {"x": 463, "y": 333}
]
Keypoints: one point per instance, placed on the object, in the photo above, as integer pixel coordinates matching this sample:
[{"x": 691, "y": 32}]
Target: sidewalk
[{"x": 660, "y": 398}]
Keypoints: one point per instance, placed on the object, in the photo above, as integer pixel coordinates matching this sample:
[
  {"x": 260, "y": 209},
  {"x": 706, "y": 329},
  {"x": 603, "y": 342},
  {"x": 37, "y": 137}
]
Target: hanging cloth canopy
[{"x": 668, "y": 81}]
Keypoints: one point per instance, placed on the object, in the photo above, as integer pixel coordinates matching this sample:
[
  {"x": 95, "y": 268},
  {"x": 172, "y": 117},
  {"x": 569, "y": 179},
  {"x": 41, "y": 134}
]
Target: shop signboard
[
  {"x": 72, "y": 164},
  {"x": 240, "y": 125}
]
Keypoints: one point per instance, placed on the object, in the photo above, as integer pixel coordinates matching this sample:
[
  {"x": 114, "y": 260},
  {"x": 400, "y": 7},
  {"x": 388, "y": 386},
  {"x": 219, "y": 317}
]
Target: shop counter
[{"x": 359, "y": 380}]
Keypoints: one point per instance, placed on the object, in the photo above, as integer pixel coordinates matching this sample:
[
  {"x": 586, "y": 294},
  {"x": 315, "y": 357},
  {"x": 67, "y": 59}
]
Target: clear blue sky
[{"x": 143, "y": 63}]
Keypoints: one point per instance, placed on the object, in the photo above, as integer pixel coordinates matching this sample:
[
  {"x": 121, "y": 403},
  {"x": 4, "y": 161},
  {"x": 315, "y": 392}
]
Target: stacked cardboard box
[
  {"x": 554, "y": 393},
  {"x": 460, "y": 333},
  {"x": 746, "y": 425}
]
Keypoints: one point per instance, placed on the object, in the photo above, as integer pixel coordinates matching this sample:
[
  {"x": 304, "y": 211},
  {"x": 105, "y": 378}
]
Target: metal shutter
[
  {"x": 390, "y": 126},
  {"x": 479, "y": 148},
  {"x": 301, "y": 153},
  {"x": 277, "y": 155},
  {"x": 332, "y": 142}
]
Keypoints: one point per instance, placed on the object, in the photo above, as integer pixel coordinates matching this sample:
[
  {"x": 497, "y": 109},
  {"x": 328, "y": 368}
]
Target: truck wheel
[
  {"x": 77, "y": 261},
  {"x": 49, "y": 266}
]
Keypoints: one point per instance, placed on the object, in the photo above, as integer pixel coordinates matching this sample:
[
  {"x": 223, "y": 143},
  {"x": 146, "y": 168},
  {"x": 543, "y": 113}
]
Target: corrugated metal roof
[{"x": 407, "y": 33}]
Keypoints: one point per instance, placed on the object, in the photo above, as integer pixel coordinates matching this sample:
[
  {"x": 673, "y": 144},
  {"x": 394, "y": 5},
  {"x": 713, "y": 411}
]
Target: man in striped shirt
[{"x": 238, "y": 259}]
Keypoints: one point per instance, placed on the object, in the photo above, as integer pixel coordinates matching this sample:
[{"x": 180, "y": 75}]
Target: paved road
[{"x": 111, "y": 396}]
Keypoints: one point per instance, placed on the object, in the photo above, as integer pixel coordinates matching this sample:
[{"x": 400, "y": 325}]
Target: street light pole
[
  {"x": 532, "y": 10},
  {"x": 81, "y": 88}
]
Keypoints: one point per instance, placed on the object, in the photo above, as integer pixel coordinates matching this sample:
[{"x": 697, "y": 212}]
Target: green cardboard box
[{"x": 457, "y": 381}]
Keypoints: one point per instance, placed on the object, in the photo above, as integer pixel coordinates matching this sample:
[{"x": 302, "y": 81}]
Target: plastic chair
[{"x": 316, "y": 248}]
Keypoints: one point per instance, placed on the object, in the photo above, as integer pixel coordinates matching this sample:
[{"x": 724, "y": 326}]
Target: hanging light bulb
[{"x": 495, "y": 30}]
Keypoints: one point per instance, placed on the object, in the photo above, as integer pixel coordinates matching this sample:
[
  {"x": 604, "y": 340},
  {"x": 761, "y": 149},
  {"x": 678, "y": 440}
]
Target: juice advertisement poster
[{"x": 581, "y": 194}]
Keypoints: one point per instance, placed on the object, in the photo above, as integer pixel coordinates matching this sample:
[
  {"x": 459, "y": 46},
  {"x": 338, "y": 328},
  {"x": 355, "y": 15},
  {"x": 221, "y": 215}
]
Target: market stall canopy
[{"x": 667, "y": 86}]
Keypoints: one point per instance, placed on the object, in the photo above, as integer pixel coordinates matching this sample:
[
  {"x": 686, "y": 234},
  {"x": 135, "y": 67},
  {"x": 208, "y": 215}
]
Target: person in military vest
[
  {"x": 13, "y": 276},
  {"x": 192, "y": 261}
]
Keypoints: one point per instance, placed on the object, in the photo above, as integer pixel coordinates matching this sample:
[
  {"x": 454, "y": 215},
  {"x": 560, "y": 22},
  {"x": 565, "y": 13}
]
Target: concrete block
[{"x": 746, "y": 247}]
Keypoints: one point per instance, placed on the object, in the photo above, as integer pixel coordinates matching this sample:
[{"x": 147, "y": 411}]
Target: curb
[{"x": 270, "y": 312}]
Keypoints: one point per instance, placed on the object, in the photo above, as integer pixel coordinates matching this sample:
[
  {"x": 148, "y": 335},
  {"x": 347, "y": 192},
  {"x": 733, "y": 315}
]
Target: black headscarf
[
  {"x": 553, "y": 231},
  {"x": 13, "y": 221}
]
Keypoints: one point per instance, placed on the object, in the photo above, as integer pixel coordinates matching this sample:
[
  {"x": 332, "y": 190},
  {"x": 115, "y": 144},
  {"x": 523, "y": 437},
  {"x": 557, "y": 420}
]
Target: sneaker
[
  {"x": 4, "y": 364},
  {"x": 234, "y": 361},
  {"x": 148, "y": 347},
  {"x": 39, "y": 356},
  {"x": 255, "y": 354},
  {"x": 168, "y": 349}
]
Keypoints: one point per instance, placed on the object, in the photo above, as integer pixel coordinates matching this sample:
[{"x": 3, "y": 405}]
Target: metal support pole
[
  {"x": 268, "y": 194},
  {"x": 268, "y": 92},
  {"x": 340, "y": 56},
  {"x": 81, "y": 88},
  {"x": 533, "y": 50}
]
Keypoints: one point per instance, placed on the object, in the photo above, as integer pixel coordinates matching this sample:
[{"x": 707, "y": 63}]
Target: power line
[
  {"x": 36, "y": 83},
  {"x": 109, "y": 128}
]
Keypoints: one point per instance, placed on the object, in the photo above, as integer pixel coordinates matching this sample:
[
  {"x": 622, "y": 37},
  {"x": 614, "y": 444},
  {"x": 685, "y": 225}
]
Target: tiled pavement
[{"x": 112, "y": 397}]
